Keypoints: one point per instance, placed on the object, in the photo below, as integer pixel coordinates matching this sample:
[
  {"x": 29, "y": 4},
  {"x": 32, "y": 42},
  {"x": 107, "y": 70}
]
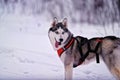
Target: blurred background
[
  {"x": 95, "y": 12},
  {"x": 25, "y": 49},
  {"x": 90, "y": 11}
]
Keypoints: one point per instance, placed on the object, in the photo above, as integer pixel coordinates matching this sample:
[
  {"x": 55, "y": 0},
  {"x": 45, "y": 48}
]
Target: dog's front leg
[{"x": 68, "y": 71}]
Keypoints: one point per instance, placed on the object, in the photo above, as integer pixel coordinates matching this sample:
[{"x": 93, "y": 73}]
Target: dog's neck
[
  {"x": 69, "y": 38},
  {"x": 66, "y": 46}
]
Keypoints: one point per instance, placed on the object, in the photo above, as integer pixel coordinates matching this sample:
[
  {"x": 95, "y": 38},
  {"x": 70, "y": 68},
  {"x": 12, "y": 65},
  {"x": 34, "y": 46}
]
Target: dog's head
[{"x": 58, "y": 33}]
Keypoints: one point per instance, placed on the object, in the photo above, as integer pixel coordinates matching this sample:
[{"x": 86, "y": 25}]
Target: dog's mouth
[{"x": 57, "y": 44}]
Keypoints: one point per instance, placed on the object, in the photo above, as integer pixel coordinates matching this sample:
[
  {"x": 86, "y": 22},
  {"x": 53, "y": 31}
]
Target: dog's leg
[
  {"x": 69, "y": 71},
  {"x": 112, "y": 60}
]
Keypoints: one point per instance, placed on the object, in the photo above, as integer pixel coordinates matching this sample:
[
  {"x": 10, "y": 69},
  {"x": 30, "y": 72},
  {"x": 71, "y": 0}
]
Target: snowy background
[{"x": 25, "y": 49}]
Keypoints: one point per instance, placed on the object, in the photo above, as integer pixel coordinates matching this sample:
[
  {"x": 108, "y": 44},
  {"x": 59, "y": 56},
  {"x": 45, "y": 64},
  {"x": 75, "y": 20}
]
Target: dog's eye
[{"x": 57, "y": 32}]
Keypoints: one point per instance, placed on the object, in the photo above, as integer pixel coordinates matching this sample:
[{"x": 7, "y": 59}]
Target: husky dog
[{"x": 74, "y": 51}]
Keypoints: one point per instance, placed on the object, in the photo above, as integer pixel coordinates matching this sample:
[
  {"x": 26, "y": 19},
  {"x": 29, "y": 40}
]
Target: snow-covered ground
[{"x": 26, "y": 52}]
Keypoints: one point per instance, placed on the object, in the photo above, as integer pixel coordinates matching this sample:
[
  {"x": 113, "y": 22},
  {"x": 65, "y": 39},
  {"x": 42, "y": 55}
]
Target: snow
[{"x": 26, "y": 52}]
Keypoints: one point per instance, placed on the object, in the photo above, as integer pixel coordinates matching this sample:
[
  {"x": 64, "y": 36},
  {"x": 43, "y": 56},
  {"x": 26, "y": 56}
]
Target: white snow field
[{"x": 26, "y": 52}]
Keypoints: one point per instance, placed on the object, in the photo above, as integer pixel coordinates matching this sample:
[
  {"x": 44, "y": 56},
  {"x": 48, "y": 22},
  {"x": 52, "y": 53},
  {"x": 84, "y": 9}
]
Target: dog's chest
[{"x": 66, "y": 58}]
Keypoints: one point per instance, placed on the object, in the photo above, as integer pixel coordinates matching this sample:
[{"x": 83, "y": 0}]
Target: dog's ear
[
  {"x": 55, "y": 21},
  {"x": 64, "y": 22}
]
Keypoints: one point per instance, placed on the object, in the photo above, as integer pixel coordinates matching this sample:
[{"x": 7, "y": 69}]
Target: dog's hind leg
[
  {"x": 116, "y": 68},
  {"x": 68, "y": 71},
  {"x": 116, "y": 72},
  {"x": 114, "y": 62},
  {"x": 111, "y": 55}
]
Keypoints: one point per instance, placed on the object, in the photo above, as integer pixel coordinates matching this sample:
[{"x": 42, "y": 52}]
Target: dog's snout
[{"x": 61, "y": 39}]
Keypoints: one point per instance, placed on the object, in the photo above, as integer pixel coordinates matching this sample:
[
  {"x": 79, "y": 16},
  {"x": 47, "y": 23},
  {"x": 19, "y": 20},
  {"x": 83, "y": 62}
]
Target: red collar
[{"x": 61, "y": 50}]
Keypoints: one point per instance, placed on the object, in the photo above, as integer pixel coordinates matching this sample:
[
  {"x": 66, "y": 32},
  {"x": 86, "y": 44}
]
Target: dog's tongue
[{"x": 56, "y": 44}]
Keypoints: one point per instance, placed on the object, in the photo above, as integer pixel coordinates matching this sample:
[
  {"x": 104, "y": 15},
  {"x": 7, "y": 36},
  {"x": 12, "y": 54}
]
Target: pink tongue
[{"x": 56, "y": 44}]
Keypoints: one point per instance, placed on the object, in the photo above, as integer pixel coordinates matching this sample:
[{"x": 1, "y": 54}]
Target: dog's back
[{"x": 109, "y": 50}]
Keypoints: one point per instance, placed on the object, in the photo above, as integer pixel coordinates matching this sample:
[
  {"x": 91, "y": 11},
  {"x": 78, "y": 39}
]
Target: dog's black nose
[{"x": 60, "y": 39}]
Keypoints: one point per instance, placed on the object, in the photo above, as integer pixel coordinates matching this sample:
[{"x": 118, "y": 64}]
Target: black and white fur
[{"x": 109, "y": 49}]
